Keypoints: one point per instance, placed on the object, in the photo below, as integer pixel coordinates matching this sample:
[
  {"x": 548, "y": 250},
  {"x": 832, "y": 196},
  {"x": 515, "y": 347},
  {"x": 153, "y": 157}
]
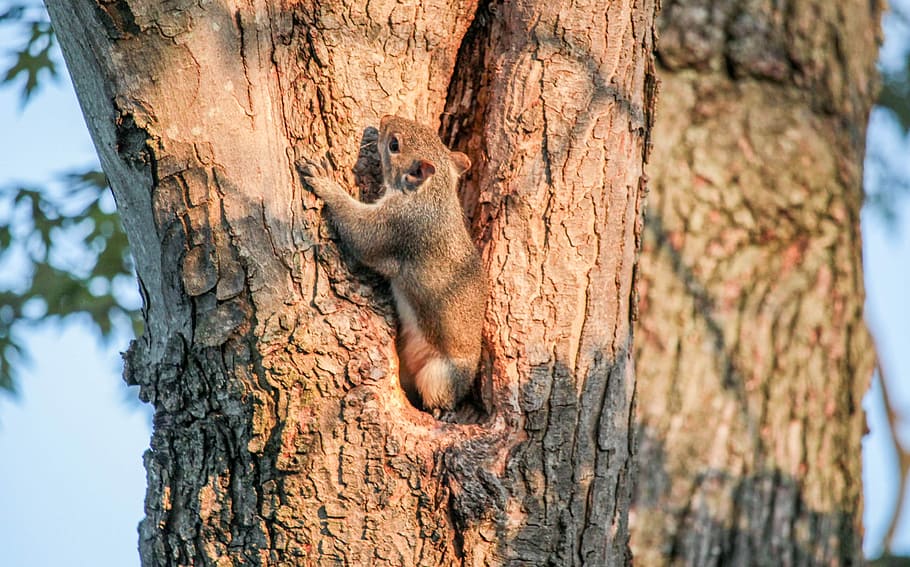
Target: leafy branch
[
  {"x": 34, "y": 57},
  {"x": 63, "y": 253},
  {"x": 73, "y": 258}
]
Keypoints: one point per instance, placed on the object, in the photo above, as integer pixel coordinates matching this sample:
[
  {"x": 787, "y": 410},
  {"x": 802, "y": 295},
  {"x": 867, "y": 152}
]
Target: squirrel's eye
[{"x": 393, "y": 145}]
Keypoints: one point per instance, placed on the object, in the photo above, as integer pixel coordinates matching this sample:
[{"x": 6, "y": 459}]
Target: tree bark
[
  {"x": 281, "y": 434},
  {"x": 751, "y": 350}
]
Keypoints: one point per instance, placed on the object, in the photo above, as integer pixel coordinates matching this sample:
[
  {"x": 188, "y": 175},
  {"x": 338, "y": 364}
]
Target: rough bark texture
[
  {"x": 281, "y": 436},
  {"x": 751, "y": 350}
]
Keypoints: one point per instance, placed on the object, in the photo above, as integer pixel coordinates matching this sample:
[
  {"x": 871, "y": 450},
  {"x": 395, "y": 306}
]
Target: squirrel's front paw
[
  {"x": 315, "y": 176},
  {"x": 310, "y": 167}
]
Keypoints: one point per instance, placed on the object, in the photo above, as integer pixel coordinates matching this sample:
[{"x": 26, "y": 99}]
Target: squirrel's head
[{"x": 411, "y": 154}]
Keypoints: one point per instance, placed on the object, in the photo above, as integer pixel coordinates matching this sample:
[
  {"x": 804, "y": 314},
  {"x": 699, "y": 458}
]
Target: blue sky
[
  {"x": 886, "y": 258},
  {"x": 71, "y": 445}
]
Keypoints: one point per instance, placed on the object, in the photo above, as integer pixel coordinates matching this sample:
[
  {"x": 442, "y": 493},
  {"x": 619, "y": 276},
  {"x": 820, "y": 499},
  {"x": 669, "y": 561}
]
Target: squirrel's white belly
[{"x": 429, "y": 369}]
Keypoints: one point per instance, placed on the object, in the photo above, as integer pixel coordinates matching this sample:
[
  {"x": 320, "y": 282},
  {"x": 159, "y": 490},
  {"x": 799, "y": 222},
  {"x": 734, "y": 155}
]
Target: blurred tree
[{"x": 751, "y": 351}]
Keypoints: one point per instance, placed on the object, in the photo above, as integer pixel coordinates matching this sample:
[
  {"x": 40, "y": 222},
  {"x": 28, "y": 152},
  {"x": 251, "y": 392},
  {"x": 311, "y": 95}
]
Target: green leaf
[
  {"x": 75, "y": 250},
  {"x": 33, "y": 59}
]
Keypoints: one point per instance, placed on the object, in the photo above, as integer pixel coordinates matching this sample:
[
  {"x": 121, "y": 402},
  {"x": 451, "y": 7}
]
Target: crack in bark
[
  {"x": 242, "y": 52},
  {"x": 118, "y": 19}
]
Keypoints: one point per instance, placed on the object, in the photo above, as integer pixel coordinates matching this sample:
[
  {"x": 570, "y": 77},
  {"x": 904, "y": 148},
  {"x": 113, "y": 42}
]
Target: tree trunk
[
  {"x": 281, "y": 434},
  {"x": 751, "y": 350}
]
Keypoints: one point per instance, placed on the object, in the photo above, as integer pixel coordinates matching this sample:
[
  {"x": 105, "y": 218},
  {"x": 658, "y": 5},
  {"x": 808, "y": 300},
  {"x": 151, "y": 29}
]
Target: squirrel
[{"x": 415, "y": 236}]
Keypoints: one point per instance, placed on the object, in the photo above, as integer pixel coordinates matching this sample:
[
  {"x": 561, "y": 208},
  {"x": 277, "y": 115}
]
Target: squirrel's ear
[
  {"x": 421, "y": 171},
  {"x": 461, "y": 161}
]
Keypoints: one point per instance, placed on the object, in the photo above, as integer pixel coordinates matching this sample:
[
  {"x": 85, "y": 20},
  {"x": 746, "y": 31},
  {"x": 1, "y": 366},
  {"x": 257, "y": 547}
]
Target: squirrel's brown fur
[{"x": 416, "y": 237}]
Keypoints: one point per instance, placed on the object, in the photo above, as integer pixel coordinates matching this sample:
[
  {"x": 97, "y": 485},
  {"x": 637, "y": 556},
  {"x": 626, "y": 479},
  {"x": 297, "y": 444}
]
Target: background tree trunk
[
  {"x": 751, "y": 350},
  {"x": 281, "y": 435}
]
